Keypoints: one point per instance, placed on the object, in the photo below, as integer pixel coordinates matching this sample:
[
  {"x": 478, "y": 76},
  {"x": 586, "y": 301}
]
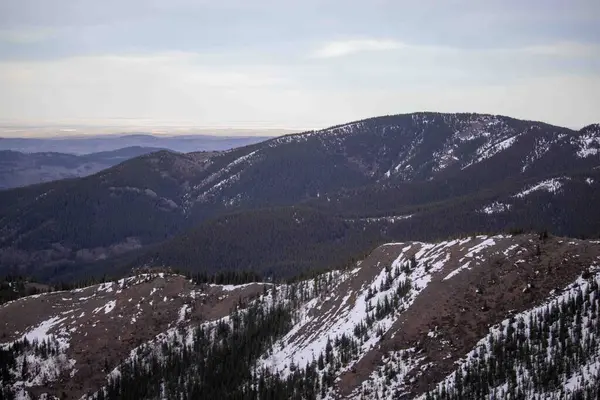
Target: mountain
[
  {"x": 477, "y": 317},
  {"x": 97, "y": 216},
  {"x": 21, "y": 169},
  {"x": 87, "y": 144},
  {"x": 415, "y": 176},
  {"x": 464, "y": 151}
]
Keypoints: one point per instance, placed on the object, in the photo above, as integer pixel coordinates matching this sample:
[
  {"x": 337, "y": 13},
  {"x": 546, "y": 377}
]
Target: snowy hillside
[
  {"x": 399, "y": 322},
  {"x": 75, "y": 337},
  {"x": 551, "y": 351}
]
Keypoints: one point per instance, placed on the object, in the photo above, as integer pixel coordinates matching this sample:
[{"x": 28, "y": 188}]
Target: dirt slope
[{"x": 100, "y": 325}]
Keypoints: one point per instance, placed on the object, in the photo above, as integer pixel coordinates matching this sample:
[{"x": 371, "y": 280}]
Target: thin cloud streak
[
  {"x": 342, "y": 48},
  {"x": 564, "y": 49},
  {"x": 348, "y": 47}
]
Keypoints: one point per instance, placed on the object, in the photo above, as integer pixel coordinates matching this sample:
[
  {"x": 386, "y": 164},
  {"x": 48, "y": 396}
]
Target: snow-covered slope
[
  {"x": 351, "y": 328},
  {"x": 551, "y": 351},
  {"x": 396, "y": 323}
]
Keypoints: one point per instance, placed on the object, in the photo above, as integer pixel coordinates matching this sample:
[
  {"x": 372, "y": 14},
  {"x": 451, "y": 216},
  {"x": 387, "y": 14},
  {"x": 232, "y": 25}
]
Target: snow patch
[
  {"x": 495, "y": 208},
  {"x": 550, "y": 185}
]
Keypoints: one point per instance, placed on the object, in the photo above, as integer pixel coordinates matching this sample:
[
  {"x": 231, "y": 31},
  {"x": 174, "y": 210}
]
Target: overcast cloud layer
[{"x": 295, "y": 64}]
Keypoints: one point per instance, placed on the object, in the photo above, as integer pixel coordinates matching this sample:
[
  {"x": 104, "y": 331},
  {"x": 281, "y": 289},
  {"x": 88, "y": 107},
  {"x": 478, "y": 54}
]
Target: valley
[{"x": 28, "y": 161}]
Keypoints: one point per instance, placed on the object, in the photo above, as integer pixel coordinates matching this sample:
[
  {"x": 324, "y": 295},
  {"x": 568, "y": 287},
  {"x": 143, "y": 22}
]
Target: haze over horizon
[
  {"x": 183, "y": 64},
  {"x": 57, "y": 130}
]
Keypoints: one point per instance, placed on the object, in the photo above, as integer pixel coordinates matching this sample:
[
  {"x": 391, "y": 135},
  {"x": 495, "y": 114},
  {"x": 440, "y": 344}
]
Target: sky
[{"x": 258, "y": 64}]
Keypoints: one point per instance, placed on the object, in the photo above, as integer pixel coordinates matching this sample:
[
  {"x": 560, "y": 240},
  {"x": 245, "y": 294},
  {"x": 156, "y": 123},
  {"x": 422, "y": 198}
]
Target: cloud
[
  {"x": 125, "y": 70},
  {"x": 563, "y": 49},
  {"x": 165, "y": 86},
  {"x": 342, "y": 48},
  {"x": 234, "y": 90},
  {"x": 180, "y": 89}
]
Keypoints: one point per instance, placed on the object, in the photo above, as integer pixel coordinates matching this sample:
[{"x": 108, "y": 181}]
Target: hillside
[
  {"x": 98, "y": 216},
  {"x": 464, "y": 151},
  {"x": 275, "y": 242},
  {"x": 394, "y": 177},
  {"x": 520, "y": 311}
]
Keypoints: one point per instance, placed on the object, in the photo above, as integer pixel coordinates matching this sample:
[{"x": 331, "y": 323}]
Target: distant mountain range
[
  {"x": 22, "y": 169},
  {"x": 32, "y": 160},
  {"x": 93, "y": 144},
  {"x": 311, "y": 200}
]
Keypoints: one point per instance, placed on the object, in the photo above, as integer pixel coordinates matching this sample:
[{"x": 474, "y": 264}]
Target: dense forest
[
  {"x": 278, "y": 243},
  {"x": 287, "y": 241}
]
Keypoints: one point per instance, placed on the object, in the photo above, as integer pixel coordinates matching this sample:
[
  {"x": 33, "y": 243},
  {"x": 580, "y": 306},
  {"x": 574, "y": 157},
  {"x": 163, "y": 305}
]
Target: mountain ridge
[{"x": 413, "y": 163}]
